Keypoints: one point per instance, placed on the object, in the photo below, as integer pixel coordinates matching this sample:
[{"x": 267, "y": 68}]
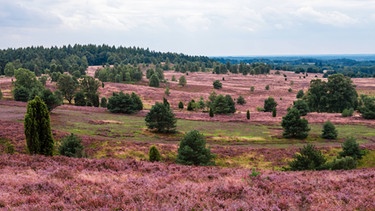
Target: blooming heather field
[
  {"x": 117, "y": 176},
  {"x": 60, "y": 183}
]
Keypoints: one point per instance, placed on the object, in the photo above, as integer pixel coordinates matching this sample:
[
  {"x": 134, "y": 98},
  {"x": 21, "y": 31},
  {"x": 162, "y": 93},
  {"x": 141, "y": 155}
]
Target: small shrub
[
  {"x": 269, "y": 104},
  {"x": 290, "y": 90},
  {"x": 217, "y": 84},
  {"x": 308, "y": 158},
  {"x": 329, "y": 131},
  {"x": 181, "y": 105},
  {"x": 211, "y": 112},
  {"x": 1, "y": 94},
  {"x": 154, "y": 154},
  {"x": 347, "y": 112},
  {"x": 167, "y": 92},
  {"x": 174, "y": 78},
  {"x": 254, "y": 173},
  {"x": 241, "y": 100},
  {"x": 71, "y": 146},
  {"x": 274, "y": 112},
  {"x": 345, "y": 163},
  {"x": 103, "y": 102},
  {"x": 351, "y": 148},
  {"x": 267, "y": 87},
  {"x": 260, "y": 109},
  {"x": 247, "y": 114},
  {"x": 252, "y": 89}
]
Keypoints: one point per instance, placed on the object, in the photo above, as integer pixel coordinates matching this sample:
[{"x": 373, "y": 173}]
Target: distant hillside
[
  {"x": 79, "y": 57},
  {"x": 349, "y": 65}
]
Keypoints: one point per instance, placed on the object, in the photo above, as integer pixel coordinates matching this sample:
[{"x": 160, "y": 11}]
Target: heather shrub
[
  {"x": 193, "y": 151},
  {"x": 308, "y": 158},
  {"x": 329, "y": 131},
  {"x": 351, "y": 148},
  {"x": 71, "y": 146},
  {"x": 154, "y": 154},
  {"x": 347, "y": 112}
]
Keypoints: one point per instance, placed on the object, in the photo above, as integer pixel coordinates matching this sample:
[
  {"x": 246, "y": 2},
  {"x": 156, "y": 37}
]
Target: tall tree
[
  {"x": 68, "y": 86},
  {"x": 37, "y": 128},
  {"x": 294, "y": 126},
  {"x": 161, "y": 118}
]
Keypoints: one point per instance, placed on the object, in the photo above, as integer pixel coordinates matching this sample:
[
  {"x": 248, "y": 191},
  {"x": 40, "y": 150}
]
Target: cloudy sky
[{"x": 195, "y": 27}]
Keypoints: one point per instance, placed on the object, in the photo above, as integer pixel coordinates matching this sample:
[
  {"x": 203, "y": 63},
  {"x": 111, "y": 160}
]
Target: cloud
[
  {"x": 14, "y": 15},
  {"x": 333, "y": 18}
]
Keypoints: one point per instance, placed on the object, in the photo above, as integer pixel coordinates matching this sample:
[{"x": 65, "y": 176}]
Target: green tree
[
  {"x": 124, "y": 103},
  {"x": 161, "y": 118},
  {"x": 37, "y": 128},
  {"x": 154, "y": 154},
  {"x": 247, "y": 114},
  {"x": 269, "y": 104},
  {"x": 329, "y": 131},
  {"x": 89, "y": 86},
  {"x": 335, "y": 95},
  {"x": 149, "y": 73},
  {"x": 79, "y": 99},
  {"x": 367, "y": 107},
  {"x": 182, "y": 81},
  {"x": 154, "y": 81},
  {"x": 274, "y": 112},
  {"x": 191, "y": 105},
  {"x": 27, "y": 79},
  {"x": 300, "y": 94},
  {"x": 68, "y": 86},
  {"x": 167, "y": 92},
  {"x": 71, "y": 146},
  {"x": 301, "y": 106},
  {"x": 52, "y": 100},
  {"x": 308, "y": 158},
  {"x": 1, "y": 94},
  {"x": 9, "y": 69},
  {"x": 21, "y": 94},
  {"x": 211, "y": 112},
  {"x": 181, "y": 105},
  {"x": 103, "y": 102},
  {"x": 294, "y": 126},
  {"x": 223, "y": 105},
  {"x": 241, "y": 100},
  {"x": 217, "y": 84},
  {"x": 193, "y": 151},
  {"x": 351, "y": 148}
]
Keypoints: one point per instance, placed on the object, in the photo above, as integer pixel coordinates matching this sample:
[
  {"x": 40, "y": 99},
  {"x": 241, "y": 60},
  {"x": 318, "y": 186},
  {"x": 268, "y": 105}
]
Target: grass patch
[{"x": 367, "y": 161}]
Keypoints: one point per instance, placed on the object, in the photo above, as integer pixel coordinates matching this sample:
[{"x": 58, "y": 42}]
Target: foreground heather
[{"x": 60, "y": 183}]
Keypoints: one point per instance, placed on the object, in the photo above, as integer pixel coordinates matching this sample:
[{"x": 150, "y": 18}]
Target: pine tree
[
  {"x": 193, "y": 151},
  {"x": 161, "y": 118},
  {"x": 247, "y": 114},
  {"x": 154, "y": 81},
  {"x": 329, "y": 131},
  {"x": 294, "y": 126},
  {"x": 309, "y": 158},
  {"x": 37, "y": 128},
  {"x": 211, "y": 113},
  {"x": 181, "y": 105},
  {"x": 274, "y": 112},
  {"x": 154, "y": 154}
]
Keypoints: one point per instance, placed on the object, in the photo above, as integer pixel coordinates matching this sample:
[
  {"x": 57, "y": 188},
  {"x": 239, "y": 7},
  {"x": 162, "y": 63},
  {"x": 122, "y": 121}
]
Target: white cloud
[{"x": 210, "y": 27}]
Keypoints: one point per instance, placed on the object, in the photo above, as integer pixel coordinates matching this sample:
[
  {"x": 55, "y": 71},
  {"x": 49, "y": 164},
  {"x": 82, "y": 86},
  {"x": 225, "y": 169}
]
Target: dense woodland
[
  {"x": 355, "y": 67},
  {"x": 75, "y": 60}
]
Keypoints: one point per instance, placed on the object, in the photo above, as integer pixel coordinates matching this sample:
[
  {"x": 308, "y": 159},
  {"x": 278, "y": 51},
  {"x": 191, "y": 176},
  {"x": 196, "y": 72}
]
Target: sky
[{"x": 195, "y": 27}]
